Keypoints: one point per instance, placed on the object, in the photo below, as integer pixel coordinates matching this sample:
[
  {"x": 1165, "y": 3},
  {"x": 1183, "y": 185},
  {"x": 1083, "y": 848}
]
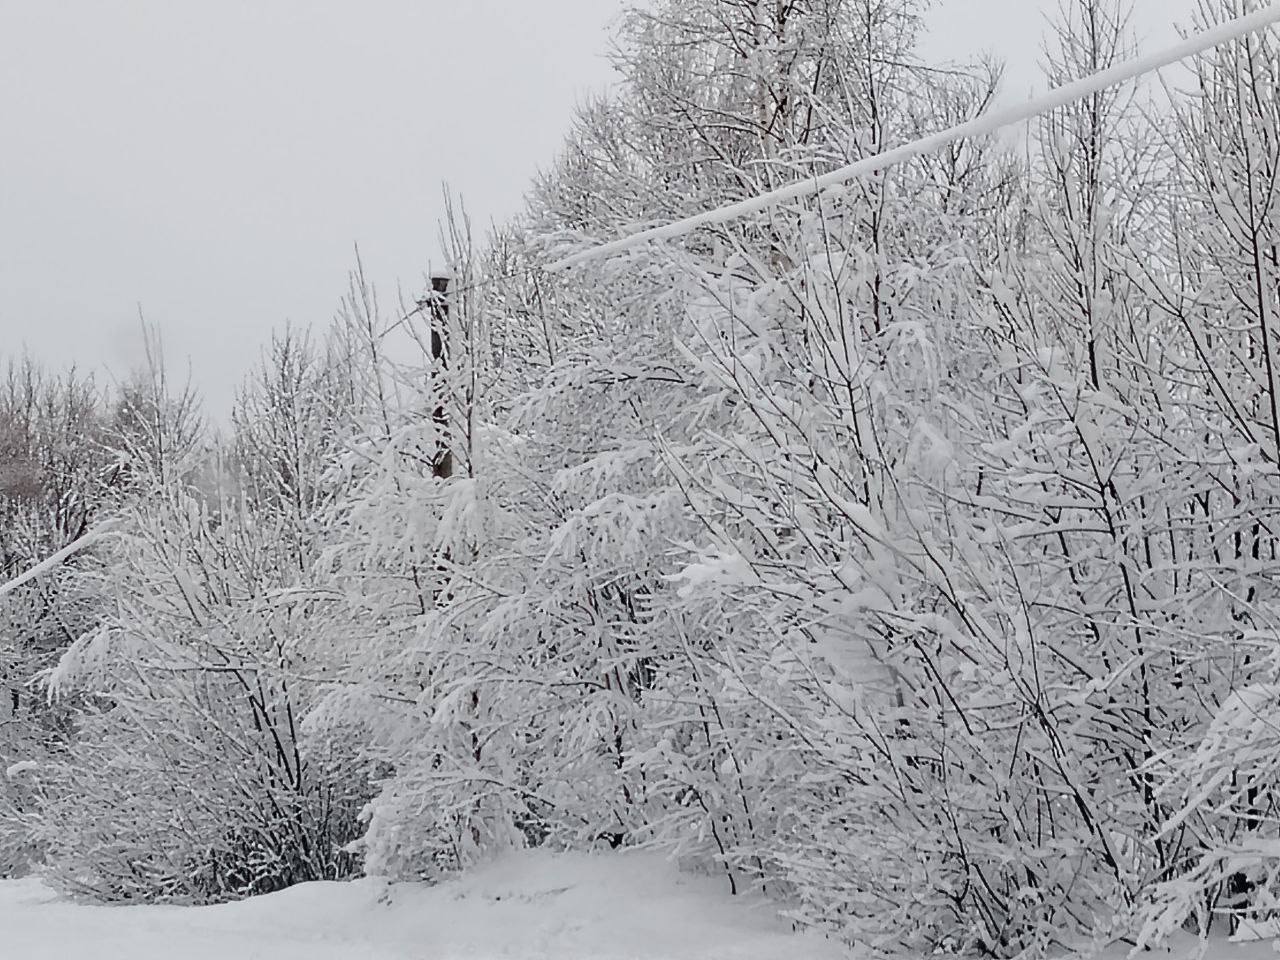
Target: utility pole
[{"x": 442, "y": 463}]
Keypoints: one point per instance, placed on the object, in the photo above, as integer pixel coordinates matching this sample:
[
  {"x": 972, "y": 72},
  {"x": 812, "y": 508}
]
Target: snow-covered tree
[{"x": 55, "y": 473}]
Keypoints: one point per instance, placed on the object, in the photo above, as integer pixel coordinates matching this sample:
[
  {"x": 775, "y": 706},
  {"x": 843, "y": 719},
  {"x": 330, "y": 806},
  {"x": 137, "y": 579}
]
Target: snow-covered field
[{"x": 528, "y": 906}]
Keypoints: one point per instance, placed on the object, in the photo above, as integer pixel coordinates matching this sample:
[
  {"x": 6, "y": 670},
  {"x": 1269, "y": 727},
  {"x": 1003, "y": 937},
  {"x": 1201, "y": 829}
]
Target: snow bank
[{"x": 534, "y": 905}]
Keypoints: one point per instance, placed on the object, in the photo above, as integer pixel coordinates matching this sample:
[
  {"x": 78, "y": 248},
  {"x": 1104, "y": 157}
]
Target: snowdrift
[{"x": 531, "y": 905}]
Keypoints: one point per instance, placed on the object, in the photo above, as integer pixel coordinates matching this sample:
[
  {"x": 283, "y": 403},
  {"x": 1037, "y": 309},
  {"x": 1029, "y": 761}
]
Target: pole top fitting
[{"x": 440, "y": 279}]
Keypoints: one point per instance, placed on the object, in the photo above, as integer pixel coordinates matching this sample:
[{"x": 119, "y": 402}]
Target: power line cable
[{"x": 982, "y": 125}]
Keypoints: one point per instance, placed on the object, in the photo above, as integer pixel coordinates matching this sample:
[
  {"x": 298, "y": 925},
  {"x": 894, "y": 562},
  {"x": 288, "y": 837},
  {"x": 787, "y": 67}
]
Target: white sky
[{"x": 213, "y": 163}]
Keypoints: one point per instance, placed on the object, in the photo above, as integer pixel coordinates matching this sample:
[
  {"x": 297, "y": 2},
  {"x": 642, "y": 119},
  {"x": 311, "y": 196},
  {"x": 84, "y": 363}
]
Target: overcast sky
[{"x": 212, "y": 164}]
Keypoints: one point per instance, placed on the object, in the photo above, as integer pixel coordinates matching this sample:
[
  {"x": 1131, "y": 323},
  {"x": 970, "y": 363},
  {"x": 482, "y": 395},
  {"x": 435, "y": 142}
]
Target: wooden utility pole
[{"x": 442, "y": 464}]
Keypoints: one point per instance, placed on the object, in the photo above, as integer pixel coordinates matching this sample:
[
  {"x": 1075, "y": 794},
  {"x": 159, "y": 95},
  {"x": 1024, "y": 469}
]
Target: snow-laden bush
[{"x": 192, "y": 779}]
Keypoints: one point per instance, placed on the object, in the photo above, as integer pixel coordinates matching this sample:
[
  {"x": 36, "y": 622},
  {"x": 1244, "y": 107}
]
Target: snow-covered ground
[{"x": 529, "y": 906}]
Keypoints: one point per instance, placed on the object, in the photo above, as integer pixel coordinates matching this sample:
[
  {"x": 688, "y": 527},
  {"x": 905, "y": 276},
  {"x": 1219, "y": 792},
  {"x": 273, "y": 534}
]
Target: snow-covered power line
[
  {"x": 47, "y": 564},
  {"x": 985, "y": 124}
]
